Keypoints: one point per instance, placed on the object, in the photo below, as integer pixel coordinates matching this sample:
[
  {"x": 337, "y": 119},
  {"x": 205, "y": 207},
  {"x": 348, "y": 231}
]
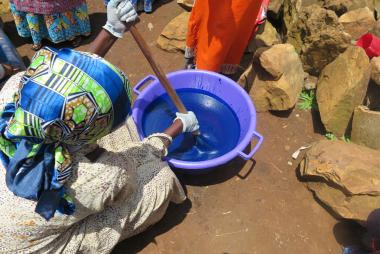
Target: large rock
[
  {"x": 173, "y": 37},
  {"x": 344, "y": 177},
  {"x": 366, "y": 127},
  {"x": 266, "y": 38},
  {"x": 376, "y": 28},
  {"x": 358, "y": 22},
  {"x": 292, "y": 9},
  {"x": 186, "y": 4},
  {"x": 375, "y": 70},
  {"x": 377, "y": 8},
  {"x": 274, "y": 8},
  {"x": 318, "y": 37},
  {"x": 341, "y": 87},
  {"x": 343, "y": 6},
  {"x": 277, "y": 78}
]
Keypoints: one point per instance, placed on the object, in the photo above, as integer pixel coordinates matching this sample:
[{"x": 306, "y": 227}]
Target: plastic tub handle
[
  {"x": 260, "y": 141},
  {"x": 142, "y": 82}
]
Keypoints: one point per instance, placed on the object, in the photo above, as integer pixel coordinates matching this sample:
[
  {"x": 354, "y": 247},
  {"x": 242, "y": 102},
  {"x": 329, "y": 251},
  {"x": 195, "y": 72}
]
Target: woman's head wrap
[{"x": 66, "y": 99}]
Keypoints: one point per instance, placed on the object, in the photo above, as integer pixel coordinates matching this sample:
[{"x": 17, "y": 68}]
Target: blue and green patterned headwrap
[{"x": 66, "y": 99}]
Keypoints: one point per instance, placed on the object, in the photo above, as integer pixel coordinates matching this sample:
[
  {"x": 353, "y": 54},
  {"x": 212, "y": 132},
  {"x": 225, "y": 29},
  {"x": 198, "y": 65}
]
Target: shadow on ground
[
  {"x": 173, "y": 216},
  {"x": 348, "y": 233},
  {"x": 237, "y": 167}
]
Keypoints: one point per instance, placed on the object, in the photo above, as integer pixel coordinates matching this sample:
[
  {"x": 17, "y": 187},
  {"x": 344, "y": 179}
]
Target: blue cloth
[
  {"x": 67, "y": 98},
  {"x": 8, "y": 53}
]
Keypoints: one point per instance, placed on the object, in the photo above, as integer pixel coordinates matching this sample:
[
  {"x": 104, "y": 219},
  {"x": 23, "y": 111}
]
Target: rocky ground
[{"x": 305, "y": 54}]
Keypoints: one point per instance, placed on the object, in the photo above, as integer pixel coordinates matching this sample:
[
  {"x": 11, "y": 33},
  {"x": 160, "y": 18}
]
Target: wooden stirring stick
[{"x": 157, "y": 70}]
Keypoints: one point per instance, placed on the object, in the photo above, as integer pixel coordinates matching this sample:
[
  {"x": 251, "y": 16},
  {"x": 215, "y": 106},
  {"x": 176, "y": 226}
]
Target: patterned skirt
[{"x": 56, "y": 27}]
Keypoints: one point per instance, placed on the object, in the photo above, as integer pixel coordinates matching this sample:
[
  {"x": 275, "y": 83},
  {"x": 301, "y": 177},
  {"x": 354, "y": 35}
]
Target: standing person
[
  {"x": 55, "y": 20},
  {"x": 219, "y": 32},
  {"x": 60, "y": 194}
]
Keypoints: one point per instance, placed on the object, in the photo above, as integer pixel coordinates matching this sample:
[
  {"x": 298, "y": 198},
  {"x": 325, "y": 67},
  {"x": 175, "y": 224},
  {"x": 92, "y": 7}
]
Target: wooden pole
[{"x": 157, "y": 70}]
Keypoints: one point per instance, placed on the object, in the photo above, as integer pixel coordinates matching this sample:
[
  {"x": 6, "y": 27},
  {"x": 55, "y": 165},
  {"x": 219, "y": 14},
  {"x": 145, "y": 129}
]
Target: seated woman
[{"x": 56, "y": 196}]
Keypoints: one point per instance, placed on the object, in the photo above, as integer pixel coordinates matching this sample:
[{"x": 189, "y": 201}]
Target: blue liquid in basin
[{"x": 219, "y": 125}]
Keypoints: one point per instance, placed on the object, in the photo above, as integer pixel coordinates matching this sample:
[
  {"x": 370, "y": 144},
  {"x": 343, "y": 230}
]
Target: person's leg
[
  {"x": 34, "y": 22},
  {"x": 218, "y": 31},
  {"x": 246, "y": 15}
]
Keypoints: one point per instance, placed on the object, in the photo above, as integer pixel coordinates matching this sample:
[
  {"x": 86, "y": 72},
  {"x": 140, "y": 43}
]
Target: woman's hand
[{"x": 120, "y": 16}]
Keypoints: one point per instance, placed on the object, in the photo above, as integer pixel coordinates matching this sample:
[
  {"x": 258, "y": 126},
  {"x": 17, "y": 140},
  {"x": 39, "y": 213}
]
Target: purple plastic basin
[{"x": 222, "y": 87}]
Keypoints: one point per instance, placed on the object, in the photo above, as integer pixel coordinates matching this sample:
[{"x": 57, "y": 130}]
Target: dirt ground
[{"x": 257, "y": 206}]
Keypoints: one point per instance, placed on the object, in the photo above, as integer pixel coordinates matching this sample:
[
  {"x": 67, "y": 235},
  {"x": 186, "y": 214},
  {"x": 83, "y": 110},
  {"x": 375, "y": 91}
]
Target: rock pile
[
  {"x": 310, "y": 45},
  {"x": 343, "y": 176}
]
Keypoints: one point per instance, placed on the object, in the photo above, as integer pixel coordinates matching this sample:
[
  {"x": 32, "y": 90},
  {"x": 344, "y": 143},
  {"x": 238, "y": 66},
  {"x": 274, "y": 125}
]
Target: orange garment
[{"x": 219, "y": 32}]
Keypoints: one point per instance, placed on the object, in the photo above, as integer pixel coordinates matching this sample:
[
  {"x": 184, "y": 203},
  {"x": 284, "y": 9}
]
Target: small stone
[
  {"x": 358, "y": 22},
  {"x": 150, "y": 26},
  {"x": 310, "y": 82},
  {"x": 290, "y": 163},
  {"x": 297, "y": 115}
]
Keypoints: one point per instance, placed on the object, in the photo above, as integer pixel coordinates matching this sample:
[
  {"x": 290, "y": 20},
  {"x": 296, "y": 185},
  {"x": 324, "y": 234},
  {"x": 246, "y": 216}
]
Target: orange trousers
[{"x": 219, "y": 32}]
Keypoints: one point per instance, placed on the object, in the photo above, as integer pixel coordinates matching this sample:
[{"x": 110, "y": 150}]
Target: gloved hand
[
  {"x": 118, "y": 12},
  {"x": 189, "y": 121}
]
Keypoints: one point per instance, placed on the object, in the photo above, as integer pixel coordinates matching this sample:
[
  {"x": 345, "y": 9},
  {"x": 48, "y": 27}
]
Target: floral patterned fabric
[
  {"x": 125, "y": 191},
  {"x": 56, "y": 27},
  {"x": 46, "y": 6}
]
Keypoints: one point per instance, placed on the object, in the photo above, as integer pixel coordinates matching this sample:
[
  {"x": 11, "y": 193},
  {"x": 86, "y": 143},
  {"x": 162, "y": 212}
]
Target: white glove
[
  {"x": 189, "y": 121},
  {"x": 118, "y": 12}
]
